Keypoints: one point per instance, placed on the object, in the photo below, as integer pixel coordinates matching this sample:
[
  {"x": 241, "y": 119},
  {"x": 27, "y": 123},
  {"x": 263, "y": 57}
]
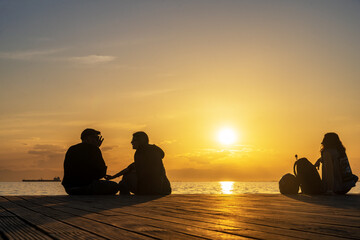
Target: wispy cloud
[
  {"x": 49, "y": 54},
  {"x": 168, "y": 142},
  {"x": 29, "y": 54},
  {"x": 92, "y": 59},
  {"x": 46, "y": 150},
  {"x": 121, "y": 125},
  {"x": 48, "y": 155},
  {"x": 109, "y": 148},
  {"x": 150, "y": 92}
]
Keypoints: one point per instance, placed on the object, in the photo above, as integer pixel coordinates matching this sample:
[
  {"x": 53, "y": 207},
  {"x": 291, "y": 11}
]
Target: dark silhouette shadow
[
  {"x": 34, "y": 212},
  {"x": 87, "y": 203},
  {"x": 349, "y": 201}
]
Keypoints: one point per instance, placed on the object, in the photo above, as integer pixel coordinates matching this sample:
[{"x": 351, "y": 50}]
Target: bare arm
[
  {"x": 122, "y": 172},
  {"x": 119, "y": 174}
]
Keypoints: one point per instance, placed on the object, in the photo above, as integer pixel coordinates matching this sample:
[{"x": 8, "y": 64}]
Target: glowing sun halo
[{"x": 226, "y": 136}]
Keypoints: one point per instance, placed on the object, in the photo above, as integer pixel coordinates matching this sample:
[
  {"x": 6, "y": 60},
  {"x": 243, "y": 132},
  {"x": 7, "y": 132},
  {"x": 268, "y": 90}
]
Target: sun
[{"x": 226, "y": 136}]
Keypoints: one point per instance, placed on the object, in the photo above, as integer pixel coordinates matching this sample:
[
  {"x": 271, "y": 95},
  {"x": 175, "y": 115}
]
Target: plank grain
[
  {"x": 219, "y": 217},
  {"x": 243, "y": 216}
]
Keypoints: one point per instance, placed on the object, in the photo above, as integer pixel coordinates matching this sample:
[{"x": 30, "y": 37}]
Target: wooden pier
[{"x": 245, "y": 216}]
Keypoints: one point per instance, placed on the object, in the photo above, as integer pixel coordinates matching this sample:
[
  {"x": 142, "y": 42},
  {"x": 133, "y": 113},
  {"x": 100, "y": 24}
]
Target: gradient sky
[{"x": 280, "y": 73}]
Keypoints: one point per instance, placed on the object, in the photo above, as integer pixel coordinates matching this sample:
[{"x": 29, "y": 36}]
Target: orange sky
[{"x": 280, "y": 74}]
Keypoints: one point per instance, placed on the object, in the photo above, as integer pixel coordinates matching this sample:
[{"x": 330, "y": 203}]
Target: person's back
[
  {"x": 342, "y": 180},
  {"x": 150, "y": 170},
  {"x": 337, "y": 176},
  {"x": 330, "y": 175},
  {"x": 146, "y": 175},
  {"x": 83, "y": 164}
]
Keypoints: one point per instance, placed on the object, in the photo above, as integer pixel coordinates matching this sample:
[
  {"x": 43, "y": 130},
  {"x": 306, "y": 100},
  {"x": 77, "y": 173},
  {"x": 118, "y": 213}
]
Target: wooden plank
[
  {"x": 256, "y": 231},
  {"x": 256, "y": 216},
  {"x": 55, "y": 229},
  {"x": 289, "y": 222},
  {"x": 293, "y": 208},
  {"x": 96, "y": 228},
  {"x": 12, "y": 227},
  {"x": 250, "y": 209},
  {"x": 296, "y": 227},
  {"x": 312, "y": 217},
  {"x": 219, "y": 220},
  {"x": 153, "y": 227},
  {"x": 210, "y": 234},
  {"x": 338, "y": 205}
]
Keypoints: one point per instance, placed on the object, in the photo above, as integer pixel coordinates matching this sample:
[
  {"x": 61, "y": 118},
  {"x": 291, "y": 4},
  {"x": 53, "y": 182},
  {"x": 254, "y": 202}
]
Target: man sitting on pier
[
  {"x": 84, "y": 166},
  {"x": 146, "y": 175}
]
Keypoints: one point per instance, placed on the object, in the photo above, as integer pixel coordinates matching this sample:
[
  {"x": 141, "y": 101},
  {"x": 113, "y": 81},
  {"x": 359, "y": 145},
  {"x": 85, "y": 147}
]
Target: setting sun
[{"x": 227, "y": 136}]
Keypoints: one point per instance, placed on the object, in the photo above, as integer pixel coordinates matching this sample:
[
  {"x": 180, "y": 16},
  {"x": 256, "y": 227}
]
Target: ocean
[{"x": 55, "y": 188}]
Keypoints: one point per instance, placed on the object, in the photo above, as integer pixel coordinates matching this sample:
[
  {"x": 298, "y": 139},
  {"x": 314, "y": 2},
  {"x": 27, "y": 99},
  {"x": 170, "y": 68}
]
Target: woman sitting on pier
[{"x": 337, "y": 176}]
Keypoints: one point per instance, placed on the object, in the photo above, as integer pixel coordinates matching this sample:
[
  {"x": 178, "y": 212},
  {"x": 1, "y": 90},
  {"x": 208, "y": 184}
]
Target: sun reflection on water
[{"x": 227, "y": 187}]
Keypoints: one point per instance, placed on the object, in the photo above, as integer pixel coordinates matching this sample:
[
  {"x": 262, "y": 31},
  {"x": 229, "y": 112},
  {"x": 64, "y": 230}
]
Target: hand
[
  {"x": 317, "y": 164},
  {"x": 100, "y": 140},
  {"x": 109, "y": 177}
]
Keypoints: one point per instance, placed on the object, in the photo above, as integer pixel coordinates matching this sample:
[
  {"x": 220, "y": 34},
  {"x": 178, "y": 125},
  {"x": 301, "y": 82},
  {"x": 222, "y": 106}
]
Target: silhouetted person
[
  {"x": 146, "y": 175},
  {"x": 84, "y": 166},
  {"x": 337, "y": 176}
]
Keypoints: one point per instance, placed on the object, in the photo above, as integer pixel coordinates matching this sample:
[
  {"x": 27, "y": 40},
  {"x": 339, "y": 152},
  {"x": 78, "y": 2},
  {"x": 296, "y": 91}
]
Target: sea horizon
[{"x": 210, "y": 187}]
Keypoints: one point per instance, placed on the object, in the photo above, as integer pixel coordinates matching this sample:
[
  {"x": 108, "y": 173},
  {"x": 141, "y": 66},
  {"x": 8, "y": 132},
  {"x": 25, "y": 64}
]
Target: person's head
[
  {"x": 332, "y": 141},
  {"x": 139, "y": 139},
  {"x": 91, "y": 136}
]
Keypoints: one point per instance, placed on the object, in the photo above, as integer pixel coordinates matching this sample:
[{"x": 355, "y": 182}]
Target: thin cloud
[
  {"x": 92, "y": 59},
  {"x": 149, "y": 93},
  {"x": 168, "y": 142},
  {"x": 109, "y": 148},
  {"x": 48, "y": 155},
  {"x": 121, "y": 125},
  {"x": 28, "y": 55},
  {"x": 47, "y": 150},
  {"x": 48, "y": 54}
]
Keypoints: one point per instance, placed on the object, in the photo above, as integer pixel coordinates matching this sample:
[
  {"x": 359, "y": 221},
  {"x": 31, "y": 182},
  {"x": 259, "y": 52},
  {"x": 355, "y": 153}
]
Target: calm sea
[{"x": 55, "y": 188}]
